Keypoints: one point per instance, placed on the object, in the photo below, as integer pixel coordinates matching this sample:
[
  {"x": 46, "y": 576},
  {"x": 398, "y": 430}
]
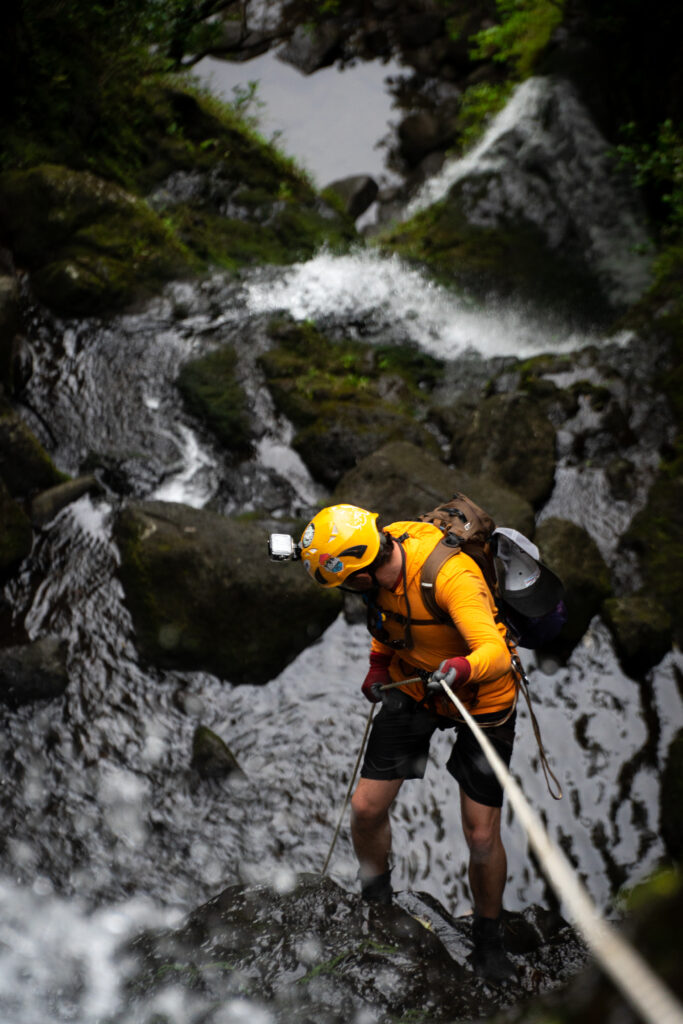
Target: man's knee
[
  {"x": 483, "y": 840},
  {"x": 371, "y": 802},
  {"x": 481, "y": 826}
]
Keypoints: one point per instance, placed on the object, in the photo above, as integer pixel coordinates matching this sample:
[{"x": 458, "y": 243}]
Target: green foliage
[
  {"x": 478, "y": 105},
  {"x": 521, "y": 36},
  {"x": 657, "y": 165}
]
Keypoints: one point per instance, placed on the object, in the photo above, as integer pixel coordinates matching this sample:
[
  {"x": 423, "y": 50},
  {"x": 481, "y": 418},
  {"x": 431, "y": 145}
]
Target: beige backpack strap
[{"x": 430, "y": 570}]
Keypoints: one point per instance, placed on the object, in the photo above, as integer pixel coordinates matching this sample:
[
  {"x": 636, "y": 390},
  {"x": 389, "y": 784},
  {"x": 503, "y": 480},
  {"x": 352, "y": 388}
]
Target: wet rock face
[
  {"x": 204, "y": 595},
  {"x": 538, "y": 200},
  {"x": 319, "y": 953}
]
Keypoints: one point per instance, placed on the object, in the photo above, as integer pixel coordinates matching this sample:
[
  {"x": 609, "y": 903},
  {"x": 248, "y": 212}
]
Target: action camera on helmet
[{"x": 283, "y": 548}]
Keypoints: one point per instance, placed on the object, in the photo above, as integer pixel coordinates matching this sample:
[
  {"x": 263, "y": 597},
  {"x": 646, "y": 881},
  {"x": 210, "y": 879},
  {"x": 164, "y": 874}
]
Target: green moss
[
  {"x": 521, "y": 36},
  {"x": 347, "y": 398},
  {"x": 211, "y": 392},
  {"x": 16, "y": 535}
]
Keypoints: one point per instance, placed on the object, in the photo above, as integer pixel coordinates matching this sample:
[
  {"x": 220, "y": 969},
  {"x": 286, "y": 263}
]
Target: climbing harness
[{"x": 616, "y": 956}]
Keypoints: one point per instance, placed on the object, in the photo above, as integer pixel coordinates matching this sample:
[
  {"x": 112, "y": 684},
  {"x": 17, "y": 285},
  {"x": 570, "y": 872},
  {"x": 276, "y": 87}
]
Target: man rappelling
[{"x": 411, "y": 652}]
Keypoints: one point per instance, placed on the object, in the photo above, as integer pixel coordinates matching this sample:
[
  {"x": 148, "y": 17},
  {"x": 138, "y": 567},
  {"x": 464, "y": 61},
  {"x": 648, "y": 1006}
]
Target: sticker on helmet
[
  {"x": 330, "y": 563},
  {"x": 308, "y": 535}
]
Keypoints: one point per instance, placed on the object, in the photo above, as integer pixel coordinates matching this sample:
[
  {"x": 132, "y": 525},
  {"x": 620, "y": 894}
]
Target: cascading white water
[{"x": 107, "y": 828}]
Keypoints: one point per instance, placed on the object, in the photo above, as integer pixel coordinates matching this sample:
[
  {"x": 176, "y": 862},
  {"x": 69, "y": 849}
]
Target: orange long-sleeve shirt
[{"x": 472, "y": 632}]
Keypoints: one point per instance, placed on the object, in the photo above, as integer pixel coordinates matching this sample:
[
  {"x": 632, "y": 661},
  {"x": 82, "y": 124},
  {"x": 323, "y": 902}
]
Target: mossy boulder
[
  {"x": 401, "y": 480},
  {"x": 655, "y": 537},
  {"x": 16, "y": 534},
  {"x": 573, "y": 555},
  {"x": 25, "y": 466},
  {"x": 212, "y": 393},
  {"x": 345, "y": 398},
  {"x": 9, "y": 325},
  {"x": 671, "y": 799},
  {"x": 641, "y": 629},
  {"x": 204, "y": 595},
  {"x": 508, "y": 437},
  {"x": 90, "y": 245}
]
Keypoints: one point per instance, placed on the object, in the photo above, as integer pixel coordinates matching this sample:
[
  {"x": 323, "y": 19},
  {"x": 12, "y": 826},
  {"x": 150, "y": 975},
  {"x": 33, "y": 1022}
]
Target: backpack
[{"x": 467, "y": 527}]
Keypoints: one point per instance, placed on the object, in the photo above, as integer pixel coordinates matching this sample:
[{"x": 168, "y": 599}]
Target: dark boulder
[
  {"x": 570, "y": 552},
  {"x": 641, "y": 629},
  {"x": 9, "y": 325},
  {"x": 357, "y": 193},
  {"x": 655, "y": 538},
  {"x": 313, "y": 46},
  {"x": 25, "y": 466},
  {"x": 508, "y": 437},
  {"x": 204, "y": 595},
  {"x": 211, "y": 756},
  {"x": 671, "y": 799},
  {"x": 34, "y": 671},
  {"x": 16, "y": 535},
  {"x": 315, "y": 952},
  {"x": 401, "y": 480}
]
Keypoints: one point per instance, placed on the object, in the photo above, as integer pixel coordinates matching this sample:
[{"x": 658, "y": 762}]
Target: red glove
[
  {"x": 377, "y": 676},
  {"x": 453, "y": 671}
]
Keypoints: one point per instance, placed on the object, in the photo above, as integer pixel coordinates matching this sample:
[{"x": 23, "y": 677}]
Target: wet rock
[
  {"x": 313, "y": 46},
  {"x": 9, "y": 325},
  {"x": 419, "y": 134},
  {"x": 538, "y": 211},
  {"x": 16, "y": 535},
  {"x": 671, "y": 799},
  {"x": 25, "y": 466},
  {"x": 204, "y": 595},
  {"x": 90, "y": 246},
  {"x": 34, "y": 671},
  {"x": 401, "y": 480},
  {"x": 313, "y": 952},
  {"x": 357, "y": 192},
  {"x": 573, "y": 555},
  {"x": 508, "y": 437},
  {"x": 641, "y": 629},
  {"x": 211, "y": 756},
  {"x": 47, "y": 504}
]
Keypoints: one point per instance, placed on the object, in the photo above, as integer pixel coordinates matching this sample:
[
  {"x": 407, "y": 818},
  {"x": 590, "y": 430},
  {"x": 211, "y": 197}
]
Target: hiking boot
[
  {"x": 377, "y": 889},
  {"x": 489, "y": 959}
]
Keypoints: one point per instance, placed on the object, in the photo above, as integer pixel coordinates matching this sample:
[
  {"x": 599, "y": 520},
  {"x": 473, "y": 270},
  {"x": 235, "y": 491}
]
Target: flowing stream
[{"x": 106, "y": 827}]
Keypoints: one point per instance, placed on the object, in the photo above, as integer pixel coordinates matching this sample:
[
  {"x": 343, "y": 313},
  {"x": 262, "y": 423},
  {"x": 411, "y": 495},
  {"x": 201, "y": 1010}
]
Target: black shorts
[{"x": 398, "y": 748}]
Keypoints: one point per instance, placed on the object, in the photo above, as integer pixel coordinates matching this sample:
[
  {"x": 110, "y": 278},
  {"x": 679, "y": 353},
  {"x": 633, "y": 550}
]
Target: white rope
[{"x": 618, "y": 959}]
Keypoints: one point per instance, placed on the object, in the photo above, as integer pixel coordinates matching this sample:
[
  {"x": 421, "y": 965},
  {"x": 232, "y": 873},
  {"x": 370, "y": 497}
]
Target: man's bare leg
[
  {"x": 487, "y": 875},
  {"x": 488, "y": 862},
  {"x": 370, "y": 825}
]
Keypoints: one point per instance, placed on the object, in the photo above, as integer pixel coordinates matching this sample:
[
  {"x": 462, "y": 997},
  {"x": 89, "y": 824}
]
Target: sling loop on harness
[{"x": 547, "y": 770}]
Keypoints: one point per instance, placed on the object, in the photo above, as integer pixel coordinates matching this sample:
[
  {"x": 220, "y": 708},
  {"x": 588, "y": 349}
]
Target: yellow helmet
[{"x": 338, "y": 541}]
